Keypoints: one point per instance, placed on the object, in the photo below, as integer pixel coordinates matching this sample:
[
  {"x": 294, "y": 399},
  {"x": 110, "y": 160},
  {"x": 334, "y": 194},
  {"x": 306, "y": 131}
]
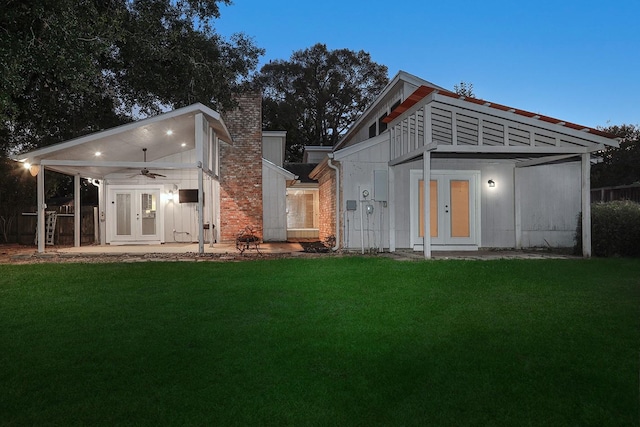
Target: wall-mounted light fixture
[{"x": 491, "y": 183}]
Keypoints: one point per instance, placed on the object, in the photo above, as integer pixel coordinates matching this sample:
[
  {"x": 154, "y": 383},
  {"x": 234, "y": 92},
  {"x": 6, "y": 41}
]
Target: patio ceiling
[{"x": 121, "y": 147}]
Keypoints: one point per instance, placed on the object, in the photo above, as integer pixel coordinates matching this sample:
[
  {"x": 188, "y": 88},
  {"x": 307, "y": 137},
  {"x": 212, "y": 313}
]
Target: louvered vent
[
  {"x": 441, "y": 126},
  {"x": 467, "y": 129},
  {"x": 519, "y": 137},
  {"x": 544, "y": 140},
  {"x": 492, "y": 133}
]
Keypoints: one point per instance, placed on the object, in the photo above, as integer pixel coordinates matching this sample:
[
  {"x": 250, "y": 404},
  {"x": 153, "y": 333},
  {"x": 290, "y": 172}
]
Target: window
[
  {"x": 372, "y": 130},
  {"x": 395, "y": 105},
  {"x": 382, "y": 126}
]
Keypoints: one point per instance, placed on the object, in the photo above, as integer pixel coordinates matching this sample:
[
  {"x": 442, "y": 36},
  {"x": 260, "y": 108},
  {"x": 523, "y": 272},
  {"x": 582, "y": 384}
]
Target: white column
[
  {"x": 200, "y": 135},
  {"x": 586, "y": 205},
  {"x": 41, "y": 209},
  {"x": 426, "y": 204},
  {"x": 517, "y": 209},
  {"x": 102, "y": 212},
  {"x": 392, "y": 209},
  {"x": 76, "y": 211}
]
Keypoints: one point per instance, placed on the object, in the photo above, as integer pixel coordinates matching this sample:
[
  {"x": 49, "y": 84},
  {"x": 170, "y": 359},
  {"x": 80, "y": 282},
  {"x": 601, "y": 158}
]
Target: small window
[
  {"x": 372, "y": 130},
  {"x": 382, "y": 125},
  {"x": 395, "y": 105}
]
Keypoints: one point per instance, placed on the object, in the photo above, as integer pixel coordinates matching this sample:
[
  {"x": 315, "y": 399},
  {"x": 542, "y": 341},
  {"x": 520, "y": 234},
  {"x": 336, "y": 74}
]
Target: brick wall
[
  {"x": 241, "y": 169},
  {"x": 327, "y": 194}
]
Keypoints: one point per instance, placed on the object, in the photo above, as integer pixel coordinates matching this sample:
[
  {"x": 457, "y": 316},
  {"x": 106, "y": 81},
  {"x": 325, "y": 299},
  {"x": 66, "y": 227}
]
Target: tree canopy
[
  {"x": 317, "y": 94},
  {"x": 73, "y": 67},
  {"x": 620, "y": 166}
]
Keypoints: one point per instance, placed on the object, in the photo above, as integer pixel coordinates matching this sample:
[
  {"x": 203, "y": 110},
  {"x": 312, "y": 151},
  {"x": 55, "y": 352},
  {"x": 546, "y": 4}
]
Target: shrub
[{"x": 615, "y": 229}]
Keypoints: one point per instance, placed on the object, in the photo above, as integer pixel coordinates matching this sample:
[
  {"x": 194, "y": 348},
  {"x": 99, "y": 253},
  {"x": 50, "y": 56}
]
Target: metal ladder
[{"x": 49, "y": 227}]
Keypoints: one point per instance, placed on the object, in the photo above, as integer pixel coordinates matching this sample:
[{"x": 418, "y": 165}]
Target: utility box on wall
[{"x": 380, "y": 185}]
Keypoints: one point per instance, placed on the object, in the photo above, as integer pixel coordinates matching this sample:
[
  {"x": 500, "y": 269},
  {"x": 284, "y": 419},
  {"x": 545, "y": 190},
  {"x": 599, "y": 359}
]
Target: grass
[{"x": 336, "y": 341}]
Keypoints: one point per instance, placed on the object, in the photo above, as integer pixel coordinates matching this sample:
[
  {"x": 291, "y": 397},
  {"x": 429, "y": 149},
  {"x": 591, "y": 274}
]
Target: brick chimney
[{"x": 241, "y": 169}]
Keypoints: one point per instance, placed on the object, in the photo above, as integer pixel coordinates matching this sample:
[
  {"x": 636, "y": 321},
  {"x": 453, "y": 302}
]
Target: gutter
[{"x": 335, "y": 168}]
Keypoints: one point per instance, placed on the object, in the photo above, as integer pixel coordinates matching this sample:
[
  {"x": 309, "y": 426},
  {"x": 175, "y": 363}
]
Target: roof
[
  {"x": 423, "y": 91},
  {"x": 302, "y": 170},
  {"x": 163, "y": 135},
  {"x": 402, "y": 76}
]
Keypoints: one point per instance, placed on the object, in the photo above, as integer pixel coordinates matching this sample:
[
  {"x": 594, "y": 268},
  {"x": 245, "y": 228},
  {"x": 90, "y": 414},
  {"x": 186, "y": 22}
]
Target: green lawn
[{"x": 334, "y": 341}]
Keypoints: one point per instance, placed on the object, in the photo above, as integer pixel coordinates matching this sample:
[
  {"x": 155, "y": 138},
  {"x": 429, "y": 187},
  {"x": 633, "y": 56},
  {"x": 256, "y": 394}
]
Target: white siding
[
  {"x": 274, "y": 204},
  {"x": 273, "y": 147},
  {"x": 550, "y": 204},
  {"x": 357, "y": 175}
]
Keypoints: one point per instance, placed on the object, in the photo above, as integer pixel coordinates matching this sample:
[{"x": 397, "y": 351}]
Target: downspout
[{"x": 335, "y": 168}]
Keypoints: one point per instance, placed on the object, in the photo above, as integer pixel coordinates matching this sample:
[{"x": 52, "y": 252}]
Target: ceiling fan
[{"x": 145, "y": 171}]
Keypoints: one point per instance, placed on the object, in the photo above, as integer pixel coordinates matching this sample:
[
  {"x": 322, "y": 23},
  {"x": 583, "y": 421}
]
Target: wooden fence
[
  {"x": 23, "y": 228},
  {"x": 621, "y": 192}
]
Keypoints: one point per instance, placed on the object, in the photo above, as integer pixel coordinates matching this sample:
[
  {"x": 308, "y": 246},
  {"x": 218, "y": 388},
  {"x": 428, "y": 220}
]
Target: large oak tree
[
  {"x": 317, "y": 94},
  {"x": 71, "y": 67}
]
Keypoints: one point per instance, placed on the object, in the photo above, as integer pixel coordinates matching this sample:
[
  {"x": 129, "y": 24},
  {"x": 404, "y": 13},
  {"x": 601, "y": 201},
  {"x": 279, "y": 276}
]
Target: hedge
[{"x": 615, "y": 229}]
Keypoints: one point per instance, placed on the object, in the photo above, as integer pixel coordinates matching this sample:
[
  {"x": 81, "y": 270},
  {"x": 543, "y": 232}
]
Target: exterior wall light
[{"x": 491, "y": 183}]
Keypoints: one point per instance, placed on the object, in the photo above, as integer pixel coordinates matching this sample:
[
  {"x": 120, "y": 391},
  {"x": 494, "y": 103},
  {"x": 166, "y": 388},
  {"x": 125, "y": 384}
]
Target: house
[
  {"x": 498, "y": 177},
  {"x": 188, "y": 175}
]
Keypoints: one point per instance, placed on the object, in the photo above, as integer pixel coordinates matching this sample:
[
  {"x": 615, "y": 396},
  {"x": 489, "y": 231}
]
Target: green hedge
[{"x": 615, "y": 229}]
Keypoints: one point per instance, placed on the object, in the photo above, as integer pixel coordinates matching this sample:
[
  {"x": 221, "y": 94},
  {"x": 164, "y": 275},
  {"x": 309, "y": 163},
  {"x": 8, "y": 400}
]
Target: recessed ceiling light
[
  {"x": 169, "y": 132},
  {"x": 184, "y": 144},
  {"x": 98, "y": 154}
]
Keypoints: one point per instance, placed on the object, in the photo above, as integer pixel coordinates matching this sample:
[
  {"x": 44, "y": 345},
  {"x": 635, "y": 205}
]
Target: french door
[
  {"x": 134, "y": 215},
  {"x": 453, "y": 208}
]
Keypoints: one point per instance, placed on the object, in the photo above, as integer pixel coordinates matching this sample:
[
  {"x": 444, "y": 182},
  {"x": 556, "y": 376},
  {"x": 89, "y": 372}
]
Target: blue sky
[{"x": 578, "y": 61}]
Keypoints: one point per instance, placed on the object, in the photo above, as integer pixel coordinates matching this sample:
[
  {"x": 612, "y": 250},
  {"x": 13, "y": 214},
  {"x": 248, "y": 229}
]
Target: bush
[{"x": 615, "y": 229}]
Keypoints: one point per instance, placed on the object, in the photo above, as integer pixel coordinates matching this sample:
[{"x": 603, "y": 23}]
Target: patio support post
[
  {"x": 517, "y": 209},
  {"x": 76, "y": 211},
  {"x": 40, "y": 210},
  {"x": 392, "y": 209},
  {"x": 586, "y": 205},
  {"x": 200, "y": 136},
  {"x": 426, "y": 204}
]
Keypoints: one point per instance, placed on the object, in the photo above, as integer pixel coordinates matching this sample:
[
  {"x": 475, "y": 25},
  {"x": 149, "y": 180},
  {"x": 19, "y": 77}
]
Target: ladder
[{"x": 50, "y": 227}]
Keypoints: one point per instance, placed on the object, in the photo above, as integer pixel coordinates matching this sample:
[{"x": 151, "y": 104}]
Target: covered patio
[{"x": 180, "y": 147}]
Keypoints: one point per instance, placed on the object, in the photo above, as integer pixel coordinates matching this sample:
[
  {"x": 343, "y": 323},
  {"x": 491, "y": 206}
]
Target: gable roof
[
  {"x": 125, "y": 143},
  {"x": 401, "y": 77}
]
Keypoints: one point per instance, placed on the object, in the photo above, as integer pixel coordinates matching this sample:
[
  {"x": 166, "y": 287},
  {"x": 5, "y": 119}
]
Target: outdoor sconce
[
  {"x": 491, "y": 183},
  {"x": 34, "y": 170}
]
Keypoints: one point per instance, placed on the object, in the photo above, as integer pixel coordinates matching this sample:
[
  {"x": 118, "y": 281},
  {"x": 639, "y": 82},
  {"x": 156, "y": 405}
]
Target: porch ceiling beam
[
  {"x": 543, "y": 160},
  {"x": 414, "y": 154},
  {"x": 511, "y": 149},
  {"x": 123, "y": 165}
]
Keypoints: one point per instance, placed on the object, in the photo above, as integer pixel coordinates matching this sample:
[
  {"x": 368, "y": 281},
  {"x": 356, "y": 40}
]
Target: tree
[
  {"x": 620, "y": 166},
  {"x": 73, "y": 67},
  {"x": 317, "y": 94},
  {"x": 464, "y": 89},
  {"x": 16, "y": 184}
]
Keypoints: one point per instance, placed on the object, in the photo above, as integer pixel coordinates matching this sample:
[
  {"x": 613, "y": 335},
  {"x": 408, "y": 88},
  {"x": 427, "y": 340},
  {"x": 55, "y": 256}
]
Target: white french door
[
  {"x": 454, "y": 210},
  {"x": 134, "y": 215}
]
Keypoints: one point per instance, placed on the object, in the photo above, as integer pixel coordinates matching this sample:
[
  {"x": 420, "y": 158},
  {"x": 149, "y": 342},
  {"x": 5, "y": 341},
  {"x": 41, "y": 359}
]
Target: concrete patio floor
[{"x": 177, "y": 248}]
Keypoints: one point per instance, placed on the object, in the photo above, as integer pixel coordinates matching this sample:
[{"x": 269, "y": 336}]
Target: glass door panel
[
  {"x": 123, "y": 214},
  {"x": 460, "y": 217},
  {"x": 433, "y": 208},
  {"x": 148, "y": 203}
]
